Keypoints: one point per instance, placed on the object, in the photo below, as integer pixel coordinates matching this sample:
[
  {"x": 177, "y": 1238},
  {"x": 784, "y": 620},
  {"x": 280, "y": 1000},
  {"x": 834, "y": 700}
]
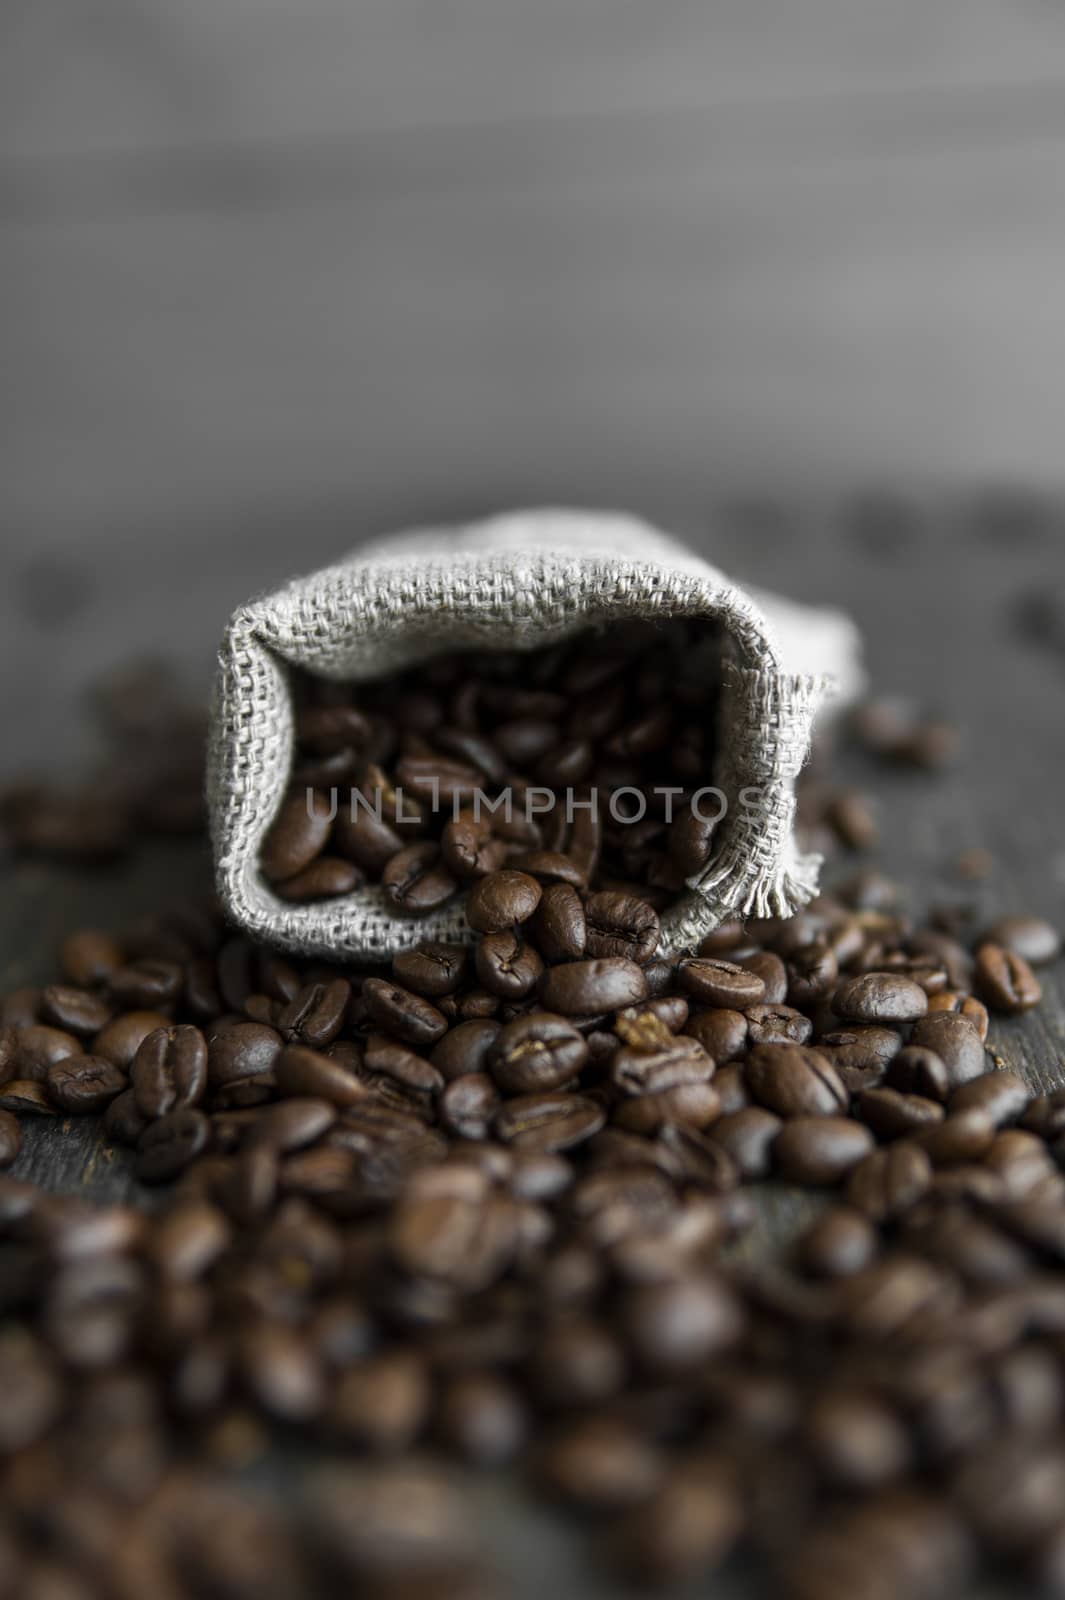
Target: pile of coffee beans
[
  {"x": 588, "y": 752},
  {"x": 495, "y": 1202}
]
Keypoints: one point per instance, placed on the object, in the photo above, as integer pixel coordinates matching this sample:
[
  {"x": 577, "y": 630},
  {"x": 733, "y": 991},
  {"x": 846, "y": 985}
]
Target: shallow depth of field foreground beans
[{"x": 493, "y": 1214}]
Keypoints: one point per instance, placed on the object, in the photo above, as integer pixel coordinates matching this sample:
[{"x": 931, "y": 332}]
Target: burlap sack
[{"x": 518, "y": 581}]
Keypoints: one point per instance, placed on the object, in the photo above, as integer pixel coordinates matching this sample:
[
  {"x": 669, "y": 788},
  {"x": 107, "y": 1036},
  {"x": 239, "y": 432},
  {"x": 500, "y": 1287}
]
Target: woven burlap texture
[{"x": 519, "y": 581}]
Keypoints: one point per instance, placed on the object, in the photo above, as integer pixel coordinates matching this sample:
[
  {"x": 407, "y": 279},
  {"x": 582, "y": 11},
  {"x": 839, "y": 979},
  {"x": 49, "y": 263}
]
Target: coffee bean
[
  {"x": 1033, "y": 939},
  {"x": 548, "y": 1122},
  {"x": 325, "y": 879},
  {"x": 120, "y": 1040},
  {"x": 169, "y": 1070},
  {"x": 469, "y": 849},
  {"x": 480, "y": 1417},
  {"x": 364, "y": 836},
  {"x": 965, "y": 1005},
  {"x": 465, "y": 1047},
  {"x": 431, "y": 970},
  {"x": 840, "y": 1242},
  {"x": 298, "y": 834},
  {"x": 501, "y": 900},
  {"x": 416, "y": 881},
  {"x": 315, "y": 1014},
  {"x": 1002, "y": 1096},
  {"x": 468, "y": 1106},
  {"x": 961, "y": 1136},
  {"x": 672, "y": 1327},
  {"x": 506, "y": 965},
  {"x": 713, "y": 981},
  {"x": 601, "y": 1464},
  {"x": 382, "y": 1404},
  {"x": 168, "y": 1145},
  {"x": 1005, "y": 979},
  {"x": 308, "y": 1074},
  {"x": 621, "y": 925},
  {"x": 586, "y": 988},
  {"x": 777, "y": 1024},
  {"x": 955, "y": 1041},
  {"x": 917, "y": 1070},
  {"x": 684, "y": 1531},
  {"x": 123, "y": 1122},
  {"x": 89, "y": 957},
  {"x": 892, "y": 1114},
  {"x": 558, "y": 924},
  {"x": 242, "y": 1051},
  {"x": 78, "y": 1011},
  {"x": 84, "y": 1084},
  {"x": 692, "y": 1156},
  {"x": 747, "y": 1136},
  {"x": 539, "y": 1051},
  {"x": 691, "y": 842},
  {"x": 10, "y": 1138},
  {"x": 722, "y": 1033},
  {"x": 887, "y": 1183},
  {"x": 794, "y": 1081},
  {"x": 880, "y": 997},
  {"x": 40, "y": 1048},
  {"x": 820, "y": 1150},
  {"x": 403, "y": 1014}
]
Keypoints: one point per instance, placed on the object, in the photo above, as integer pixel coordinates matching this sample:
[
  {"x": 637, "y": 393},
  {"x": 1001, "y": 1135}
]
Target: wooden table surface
[{"x": 945, "y": 595}]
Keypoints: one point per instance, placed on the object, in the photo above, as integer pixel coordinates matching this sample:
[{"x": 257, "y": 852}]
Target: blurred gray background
[{"x": 280, "y": 273}]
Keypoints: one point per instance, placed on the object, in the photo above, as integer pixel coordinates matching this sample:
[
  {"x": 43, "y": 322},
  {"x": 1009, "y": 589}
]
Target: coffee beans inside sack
[{"x": 548, "y": 684}]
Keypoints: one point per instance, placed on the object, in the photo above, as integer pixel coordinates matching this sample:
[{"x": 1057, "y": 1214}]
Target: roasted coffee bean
[
  {"x": 403, "y": 1014},
  {"x": 242, "y": 1051},
  {"x": 89, "y": 957},
  {"x": 506, "y": 965},
  {"x": 433, "y": 969},
  {"x": 78, "y": 1011},
  {"x": 10, "y": 1138},
  {"x": 777, "y": 1024},
  {"x": 558, "y": 924},
  {"x": 840, "y": 1242},
  {"x": 168, "y": 1145},
  {"x": 713, "y": 981},
  {"x": 365, "y": 836},
  {"x": 674, "y": 1326},
  {"x": 291, "y": 1124},
  {"x": 861, "y": 1048},
  {"x": 299, "y": 832},
  {"x": 1005, "y": 980},
  {"x": 26, "y": 1097},
  {"x": 961, "y": 1136},
  {"x": 536, "y": 1052},
  {"x": 315, "y": 1015},
  {"x": 731, "y": 1089},
  {"x": 794, "y": 1081},
  {"x": 748, "y": 1136},
  {"x": 468, "y": 1106},
  {"x": 40, "y": 1048},
  {"x": 620, "y": 925},
  {"x": 773, "y": 973},
  {"x": 887, "y": 1183},
  {"x": 684, "y": 1531},
  {"x": 169, "y": 1070},
  {"x": 84, "y": 1084},
  {"x": 469, "y": 849},
  {"x": 812, "y": 972},
  {"x": 955, "y": 1041},
  {"x": 548, "y": 1121},
  {"x": 147, "y": 983},
  {"x": 481, "y": 1418},
  {"x": 917, "y": 1070},
  {"x": 383, "y": 1404},
  {"x": 601, "y": 1464},
  {"x": 690, "y": 843},
  {"x": 694, "y": 1104},
  {"x": 501, "y": 900},
  {"x": 385, "y": 1055},
  {"x": 123, "y": 1121},
  {"x": 880, "y": 997},
  {"x": 325, "y": 879},
  {"x": 820, "y": 1150},
  {"x": 1002, "y": 1096},
  {"x": 123, "y": 1037},
  {"x": 1031, "y": 938},
  {"x": 465, "y": 1047},
  {"x": 892, "y": 1114},
  {"x": 721, "y": 1032},
  {"x": 416, "y": 881},
  {"x": 965, "y": 1005},
  {"x": 691, "y": 1156},
  {"x": 308, "y": 1074},
  {"x": 587, "y": 988}
]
